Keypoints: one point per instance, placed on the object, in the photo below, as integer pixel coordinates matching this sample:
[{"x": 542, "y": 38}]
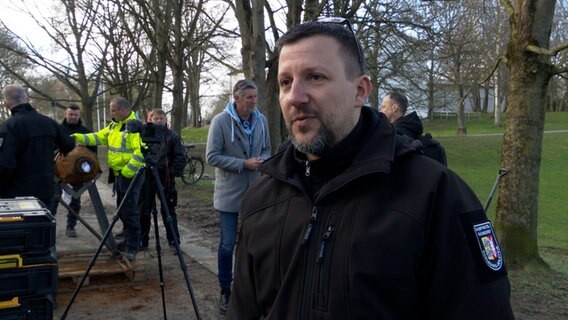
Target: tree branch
[
  {"x": 501, "y": 58},
  {"x": 508, "y": 6},
  {"x": 557, "y": 71},
  {"x": 547, "y": 52}
]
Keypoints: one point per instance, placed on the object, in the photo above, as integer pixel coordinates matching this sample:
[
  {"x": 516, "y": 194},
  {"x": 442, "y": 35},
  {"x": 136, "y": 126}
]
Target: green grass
[
  {"x": 194, "y": 135},
  {"x": 477, "y": 159},
  {"x": 484, "y": 124}
]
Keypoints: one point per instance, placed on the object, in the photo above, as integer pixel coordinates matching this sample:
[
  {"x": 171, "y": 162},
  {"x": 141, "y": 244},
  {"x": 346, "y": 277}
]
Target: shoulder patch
[
  {"x": 483, "y": 245},
  {"x": 488, "y": 245}
]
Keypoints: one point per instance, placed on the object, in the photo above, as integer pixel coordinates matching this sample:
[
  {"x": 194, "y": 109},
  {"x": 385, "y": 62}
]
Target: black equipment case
[
  {"x": 28, "y": 260},
  {"x": 26, "y": 226},
  {"x": 28, "y": 308},
  {"x": 22, "y": 274}
]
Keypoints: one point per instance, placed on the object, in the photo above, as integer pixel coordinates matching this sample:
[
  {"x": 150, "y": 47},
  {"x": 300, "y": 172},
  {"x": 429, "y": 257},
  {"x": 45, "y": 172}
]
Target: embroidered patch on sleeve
[
  {"x": 490, "y": 250},
  {"x": 483, "y": 245}
]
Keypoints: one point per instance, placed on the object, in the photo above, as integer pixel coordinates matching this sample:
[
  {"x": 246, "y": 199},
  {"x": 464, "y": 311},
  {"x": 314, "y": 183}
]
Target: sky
[
  {"x": 21, "y": 23},
  {"x": 13, "y": 14}
]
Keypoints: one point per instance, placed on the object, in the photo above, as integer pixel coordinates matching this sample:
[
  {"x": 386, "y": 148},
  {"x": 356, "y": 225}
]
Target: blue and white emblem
[{"x": 490, "y": 250}]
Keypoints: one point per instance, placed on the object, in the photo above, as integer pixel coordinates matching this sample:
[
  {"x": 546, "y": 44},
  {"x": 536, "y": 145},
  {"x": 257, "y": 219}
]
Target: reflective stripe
[
  {"x": 132, "y": 167},
  {"x": 137, "y": 157},
  {"x": 97, "y": 140},
  {"x": 123, "y": 140},
  {"x": 122, "y": 149}
]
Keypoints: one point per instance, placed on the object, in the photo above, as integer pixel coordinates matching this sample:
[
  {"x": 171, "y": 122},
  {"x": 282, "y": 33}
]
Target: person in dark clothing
[
  {"x": 170, "y": 160},
  {"x": 28, "y": 140},
  {"x": 394, "y": 107},
  {"x": 72, "y": 124},
  {"x": 348, "y": 220}
]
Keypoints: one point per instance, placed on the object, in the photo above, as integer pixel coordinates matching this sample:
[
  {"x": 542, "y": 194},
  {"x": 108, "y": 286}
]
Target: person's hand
[
  {"x": 78, "y": 138},
  {"x": 253, "y": 163}
]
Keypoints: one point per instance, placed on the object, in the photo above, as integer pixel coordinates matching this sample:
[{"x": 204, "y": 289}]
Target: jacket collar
[
  {"x": 21, "y": 107},
  {"x": 72, "y": 125},
  {"x": 371, "y": 147}
]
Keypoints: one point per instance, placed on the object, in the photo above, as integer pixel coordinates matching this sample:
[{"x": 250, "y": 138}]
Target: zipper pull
[
  {"x": 307, "y": 168},
  {"x": 327, "y": 234},
  {"x": 313, "y": 220}
]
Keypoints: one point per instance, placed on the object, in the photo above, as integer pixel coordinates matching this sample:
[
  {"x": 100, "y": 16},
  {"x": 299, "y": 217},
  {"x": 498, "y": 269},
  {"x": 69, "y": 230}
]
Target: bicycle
[{"x": 193, "y": 170}]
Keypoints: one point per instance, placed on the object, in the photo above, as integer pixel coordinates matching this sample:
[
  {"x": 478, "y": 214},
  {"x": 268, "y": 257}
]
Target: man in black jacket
[
  {"x": 72, "y": 124},
  {"x": 394, "y": 106},
  {"x": 170, "y": 159},
  {"x": 27, "y": 142},
  {"x": 347, "y": 220}
]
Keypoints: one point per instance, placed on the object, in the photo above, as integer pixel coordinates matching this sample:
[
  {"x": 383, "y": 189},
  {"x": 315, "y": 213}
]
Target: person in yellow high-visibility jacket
[{"x": 124, "y": 159}]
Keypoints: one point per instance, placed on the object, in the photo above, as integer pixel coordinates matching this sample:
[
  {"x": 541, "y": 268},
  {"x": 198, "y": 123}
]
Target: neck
[{"x": 242, "y": 112}]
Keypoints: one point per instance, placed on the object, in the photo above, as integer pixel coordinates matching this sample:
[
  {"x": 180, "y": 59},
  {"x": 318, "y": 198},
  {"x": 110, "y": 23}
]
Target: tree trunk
[
  {"x": 529, "y": 75},
  {"x": 497, "y": 105},
  {"x": 258, "y": 59},
  {"x": 462, "y": 130}
]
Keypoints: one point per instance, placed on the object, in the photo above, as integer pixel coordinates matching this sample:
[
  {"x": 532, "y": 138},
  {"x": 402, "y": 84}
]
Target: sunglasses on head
[{"x": 346, "y": 22}]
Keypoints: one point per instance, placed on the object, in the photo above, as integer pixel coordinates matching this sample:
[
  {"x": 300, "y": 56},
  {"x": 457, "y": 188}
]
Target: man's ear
[
  {"x": 364, "y": 87},
  {"x": 394, "y": 107}
]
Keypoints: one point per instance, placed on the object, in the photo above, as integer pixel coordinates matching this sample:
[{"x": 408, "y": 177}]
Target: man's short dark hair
[
  {"x": 73, "y": 107},
  {"x": 349, "y": 43},
  {"x": 400, "y": 99}
]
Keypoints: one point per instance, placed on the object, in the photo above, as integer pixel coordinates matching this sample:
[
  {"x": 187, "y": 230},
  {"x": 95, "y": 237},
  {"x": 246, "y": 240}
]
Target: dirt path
[{"x": 115, "y": 296}]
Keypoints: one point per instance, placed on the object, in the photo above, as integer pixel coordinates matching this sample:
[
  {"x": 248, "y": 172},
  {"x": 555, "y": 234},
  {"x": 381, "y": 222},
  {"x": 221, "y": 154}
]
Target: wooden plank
[{"x": 75, "y": 266}]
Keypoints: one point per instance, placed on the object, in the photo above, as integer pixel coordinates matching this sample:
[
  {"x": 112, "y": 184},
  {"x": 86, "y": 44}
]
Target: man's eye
[
  {"x": 284, "y": 83},
  {"x": 316, "y": 77}
]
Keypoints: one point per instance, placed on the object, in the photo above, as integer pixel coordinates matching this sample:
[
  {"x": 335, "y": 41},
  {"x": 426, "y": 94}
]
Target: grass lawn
[{"x": 476, "y": 158}]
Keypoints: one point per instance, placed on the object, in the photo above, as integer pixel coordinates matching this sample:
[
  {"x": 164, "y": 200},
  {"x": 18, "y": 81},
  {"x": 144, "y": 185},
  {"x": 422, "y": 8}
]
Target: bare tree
[
  {"x": 528, "y": 58},
  {"x": 72, "y": 32}
]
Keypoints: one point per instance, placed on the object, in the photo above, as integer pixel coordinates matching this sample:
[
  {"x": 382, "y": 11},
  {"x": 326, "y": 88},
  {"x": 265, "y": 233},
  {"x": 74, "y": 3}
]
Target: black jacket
[
  {"x": 169, "y": 154},
  {"x": 410, "y": 125},
  {"x": 386, "y": 233},
  {"x": 28, "y": 140},
  {"x": 70, "y": 128}
]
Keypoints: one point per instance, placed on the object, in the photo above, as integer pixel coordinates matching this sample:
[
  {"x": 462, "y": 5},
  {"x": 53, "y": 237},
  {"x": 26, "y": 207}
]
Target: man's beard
[{"x": 323, "y": 141}]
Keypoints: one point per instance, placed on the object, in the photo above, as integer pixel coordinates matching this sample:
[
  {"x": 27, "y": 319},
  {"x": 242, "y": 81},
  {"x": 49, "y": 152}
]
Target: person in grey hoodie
[{"x": 238, "y": 142}]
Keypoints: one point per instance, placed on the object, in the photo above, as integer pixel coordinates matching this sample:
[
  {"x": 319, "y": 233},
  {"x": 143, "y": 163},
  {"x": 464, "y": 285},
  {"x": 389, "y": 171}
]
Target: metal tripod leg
[
  {"x": 108, "y": 233},
  {"x": 169, "y": 225}
]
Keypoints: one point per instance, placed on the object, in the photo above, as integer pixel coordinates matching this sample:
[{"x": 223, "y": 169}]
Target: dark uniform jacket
[
  {"x": 70, "y": 128},
  {"x": 27, "y": 143},
  {"x": 386, "y": 233},
  {"x": 410, "y": 125}
]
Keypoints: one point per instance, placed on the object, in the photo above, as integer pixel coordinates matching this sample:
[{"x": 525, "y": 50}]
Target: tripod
[{"x": 151, "y": 164}]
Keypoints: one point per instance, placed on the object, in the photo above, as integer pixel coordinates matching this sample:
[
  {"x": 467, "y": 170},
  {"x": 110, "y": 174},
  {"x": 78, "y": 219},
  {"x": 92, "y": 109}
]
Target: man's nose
[{"x": 298, "y": 93}]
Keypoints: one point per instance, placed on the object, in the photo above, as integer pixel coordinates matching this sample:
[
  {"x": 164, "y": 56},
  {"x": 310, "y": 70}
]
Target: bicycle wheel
[{"x": 193, "y": 171}]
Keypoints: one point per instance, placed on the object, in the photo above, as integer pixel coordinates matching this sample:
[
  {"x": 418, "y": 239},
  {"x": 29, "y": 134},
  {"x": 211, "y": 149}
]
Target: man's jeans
[{"x": 226, "y": 245}]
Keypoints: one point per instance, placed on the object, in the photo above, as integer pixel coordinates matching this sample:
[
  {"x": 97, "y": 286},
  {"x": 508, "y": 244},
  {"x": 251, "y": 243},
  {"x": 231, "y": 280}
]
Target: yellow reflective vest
[{"x": 124, "y": 148}]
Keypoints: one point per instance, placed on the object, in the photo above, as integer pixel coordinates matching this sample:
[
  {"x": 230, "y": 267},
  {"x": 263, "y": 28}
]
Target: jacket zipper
[
  {"x": 324, "y": 262},
  {"x": 307, "y": 168},
  {"x": 305, "y": 303},
  {"x": 311, "y": 224}
]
